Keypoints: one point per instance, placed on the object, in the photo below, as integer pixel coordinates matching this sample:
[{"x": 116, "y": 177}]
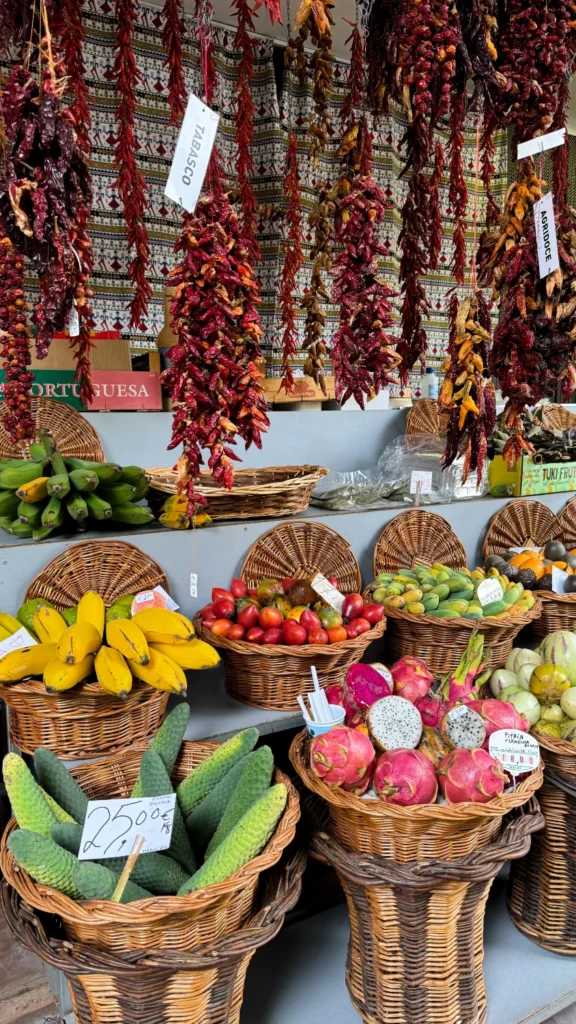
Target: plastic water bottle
[{"x": 431, "y": 382}]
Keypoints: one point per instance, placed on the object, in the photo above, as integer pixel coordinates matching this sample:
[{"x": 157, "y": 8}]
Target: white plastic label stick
[
  {"x": 193, "y": 150},
  {"x": 546, "y": 235},
  {"x": 327, "y": 592},
  {"x": 559, "y": 578},
  {"x": 541, "y": 143}
]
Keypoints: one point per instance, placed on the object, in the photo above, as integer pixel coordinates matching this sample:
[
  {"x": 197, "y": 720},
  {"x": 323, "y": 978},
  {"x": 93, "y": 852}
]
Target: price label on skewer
[
  {"x": 517, "y": 751},
  {"x": 112, "y": 826}
]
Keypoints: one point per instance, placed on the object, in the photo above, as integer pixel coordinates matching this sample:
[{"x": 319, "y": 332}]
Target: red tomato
[
  {"x": 207, "y": 612},
  {"x": 255, "y": 635},
  {"x": 310, "y": 620},
  {"x": 224, "y": 609},
  {"x": 249, "y": 616},
  {"x": 337, "y": 634},
  {"x": 351, "y": 631},
  {"x": 236, "y": 632},
  {"x": 238, "y": 588},
  {"x": 209, "y": 622},
  {"x": 221, "y": 627},
  {"x": 361, "y": 625},
  {"x": 296, "y": 636},
  {"x": 270, "y": 618},
  {"x": 252, "y": 592},
  {"x": 318, "y": 636},
  {"x": 333, "y": 581},
  {"x": 273, "y": 636},
  {"x": 373, "y": 613},
  {"x": 218, "y": 594},
  {"x": 353, "y": 606},
  {"x": 286, "y": 584}
]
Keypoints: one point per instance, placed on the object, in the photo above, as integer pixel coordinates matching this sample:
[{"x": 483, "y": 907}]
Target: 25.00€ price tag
[
  {"x": 111, "y": 826},
  {"x": 518, "y": 752}
]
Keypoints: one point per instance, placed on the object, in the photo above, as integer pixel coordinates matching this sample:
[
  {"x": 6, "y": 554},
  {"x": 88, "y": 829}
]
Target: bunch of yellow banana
[
  {"x": 155, "y": 646},
  {"x": 174, "y": 515}
]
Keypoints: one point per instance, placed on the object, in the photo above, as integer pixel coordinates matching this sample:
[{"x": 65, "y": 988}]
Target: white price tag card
[
  {"x": 490, "y": 590},
  {"x": 559, "y": 578},
  {"x": 517, "y": 751},
  {"x": 546, "y": 235},
  {"x": 20, "y": 639},
  {"x": 421, "y": 481},
  {"x": 111, "y": 826},
  {"x": 327, "y": 592},
  {"x": 193, "y": 584},
  {"x": 74, "y": 322},
  {"x": 193, "y": 150},
  {"x": 540, "y": 143}
]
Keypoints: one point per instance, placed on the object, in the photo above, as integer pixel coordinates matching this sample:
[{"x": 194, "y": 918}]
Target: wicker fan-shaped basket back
[
  {"x": 75, "y": 438},
  {"x": 110, "y": 568},
  {"x": 414, "y": 538},
  {"x": 567, "y": 524},
  {"x": 520, "y": 523},
  {"x": 558, "y": 417},
  {"x": 424, "y": 418},
  {"x": 300, "y": 550}
]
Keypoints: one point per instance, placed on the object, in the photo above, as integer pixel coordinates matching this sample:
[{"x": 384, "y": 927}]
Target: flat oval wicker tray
[
  {"x": 409, "y": 833},
  {"x": 417, "y": 537},
  {"x": 75, "y": 437},
  {"x": 257, "y": 493},
  {"x": 177, "y": 923},
  {"x": 273, "y": 676},
  {"x": 87, "y": 721}
]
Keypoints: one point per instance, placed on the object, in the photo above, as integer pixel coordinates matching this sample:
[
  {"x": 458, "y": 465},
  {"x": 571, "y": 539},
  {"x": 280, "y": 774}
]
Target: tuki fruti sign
[{"x": 113, "y": 389}]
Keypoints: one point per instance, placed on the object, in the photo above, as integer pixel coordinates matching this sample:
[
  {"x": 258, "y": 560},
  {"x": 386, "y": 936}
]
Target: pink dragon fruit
[
  {"x": 412, "y": 677},
  {"x": 365, "y": 685},
  {"x": 470, "y": 775},
  {"x": 431, "y": 708},
  {"x": 359, "y": 788},
  {"x": 406, "y": 778},
  {"x": 499, "y": 714},
  {"x": 342, "y": 756},
  {"x": 336, "y": 695}
]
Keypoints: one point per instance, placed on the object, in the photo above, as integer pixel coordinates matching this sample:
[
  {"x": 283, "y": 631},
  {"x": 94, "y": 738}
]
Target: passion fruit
[
  {"x": 510, "y": 572},
  {"x": 544, "y": 583},
  {"x": 554, "y": 550},
  {"x": 570, "y": 585},
  {"x": 528, "y": 578}
]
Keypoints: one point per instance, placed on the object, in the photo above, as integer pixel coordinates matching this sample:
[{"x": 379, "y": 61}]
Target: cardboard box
[
  {"x": 305, "y": 390},
  {"x": 110, "y": 352},
  {"x": 114, "y": 390},
  {"x": 530, "y": 478}
]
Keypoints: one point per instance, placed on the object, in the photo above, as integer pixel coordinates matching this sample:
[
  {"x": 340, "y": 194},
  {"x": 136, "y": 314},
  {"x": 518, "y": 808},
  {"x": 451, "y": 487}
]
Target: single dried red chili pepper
[
  {"x": 15, "y": 344},
  {"x": 172, "y": 33},
  {"x": 130, "y": 183}
]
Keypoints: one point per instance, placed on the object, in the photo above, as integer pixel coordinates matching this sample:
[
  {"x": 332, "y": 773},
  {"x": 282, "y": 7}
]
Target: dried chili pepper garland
[
  {"x": 130, "y": 183},
  {"x": 15, "y": 344},
  {"x": 244, "y": 119},
  {"x": 68, "y": 29},
  {"x": 293, "y": 260},
  {"x": 172, "y": 33}
]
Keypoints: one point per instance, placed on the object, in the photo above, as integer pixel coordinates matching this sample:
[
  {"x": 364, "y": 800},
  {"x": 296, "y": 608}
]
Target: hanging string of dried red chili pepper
[
  {"x": 172, "y": 33},
  {"x": 293, "y": 260},
  {"x": 68, "y": 29},
  {"x": 15, "y": 344},
  {"x": 457, "y": 192},
  {"x": 244, "y": 119},
  {"x": 436, "y": 220},
  {"x": 130, "y": 183}
]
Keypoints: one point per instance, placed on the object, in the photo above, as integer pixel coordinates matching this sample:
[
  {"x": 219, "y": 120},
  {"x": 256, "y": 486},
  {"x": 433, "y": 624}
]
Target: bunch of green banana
[{"x": 46, "y": 492}]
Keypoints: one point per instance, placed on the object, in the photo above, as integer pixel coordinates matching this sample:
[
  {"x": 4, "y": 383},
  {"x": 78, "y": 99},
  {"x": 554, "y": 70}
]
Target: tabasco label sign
[{"x": 113, "y": 389}]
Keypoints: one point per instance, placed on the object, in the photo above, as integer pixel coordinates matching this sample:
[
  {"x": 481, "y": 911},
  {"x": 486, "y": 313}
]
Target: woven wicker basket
[
  {"x": 175, "y": 923},
  {"x": 87, "y": 721},
  {"x": 416, "y": 930},
  {"x": 558, "y": 417},
  {"x": 273, "y": 676},
  {"x": 542, "y": 892},
  {"x": 424, "y": 418},
  {"x": 521, "y": 522},
  {"x": 257, "y": 493},
  {"x": 74, "y": 436},
  {"x": 406, "y": 834},
  {"x": 419, "y": 537},
  {"x": 204, "y": 985}
]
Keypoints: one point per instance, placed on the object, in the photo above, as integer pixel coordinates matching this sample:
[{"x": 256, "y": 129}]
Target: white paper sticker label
[
  {"x": 517, "y": 751},
  {"x": 559, "y": 578},
  {"x": 193, "y": 150},
  {"x": 328, "y": 593},
  {"x": 546, "y": 235},
  {"x": 16, "y": 642},
  {"x": 112, "y": 826},
  {"x": 541, "y": 143},
  {"x": 421, "y": 482},
  {"x": 170, "y": 602},
  {"x": 74, "y": 322},
  {"x": 193, "y": 584},
  {"x": 518, "y": 551},
  {"x": 458, "y": 712},
  {"x": 489, "y": 590}
]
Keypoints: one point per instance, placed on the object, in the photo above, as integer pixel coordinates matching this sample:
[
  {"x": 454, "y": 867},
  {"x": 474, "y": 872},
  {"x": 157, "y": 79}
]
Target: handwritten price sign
[
  {"x": 112, "y": 826},
  {"x": 518, "y": 752},
  {"x": 16, "y": 642}
]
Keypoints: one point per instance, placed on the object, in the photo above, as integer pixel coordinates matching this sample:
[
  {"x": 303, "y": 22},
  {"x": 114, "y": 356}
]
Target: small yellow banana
[
  {"x": 4, "y": 634},
  {"x": 48, "y": 624},
  {"x": 9, "y": 623},
  {"x": 161, "y": 626},
  {"x": 77, "y": 642},
  {"x": 59, "y": 677},
  {"x": 127, "y": 638},
  {"x": 28, "y": 661},
  {"x": 112, "y": 672},
  {"x": 162, "y": 673},
  {"x": 193, "y": 655},
  {"x": 91, "y": 608},
  {"x": 36, "y": 490}
]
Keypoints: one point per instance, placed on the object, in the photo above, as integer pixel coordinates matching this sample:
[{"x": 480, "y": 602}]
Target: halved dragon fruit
[
  {"x": 462, "y": 727},
  {"x": 395, "y": 723},
  {"x": 364, "y": 685},
  {"x": 336, "y": 694}
]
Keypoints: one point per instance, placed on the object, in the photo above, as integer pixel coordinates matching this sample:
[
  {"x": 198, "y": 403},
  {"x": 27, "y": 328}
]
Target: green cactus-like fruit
[
  {"x": 253, "y": 782},
  {"x": 27, "y": 799},
  {"x": 60, "y": 784},
  {"x": 156, "y": 782},
  {"x": 97, "y": 882},
  {"x": 168, "y": 739},
  {"x": 202, "y": 779},
  {"x": 204, "y": 820},
  {"x": 45, "y": 861}
]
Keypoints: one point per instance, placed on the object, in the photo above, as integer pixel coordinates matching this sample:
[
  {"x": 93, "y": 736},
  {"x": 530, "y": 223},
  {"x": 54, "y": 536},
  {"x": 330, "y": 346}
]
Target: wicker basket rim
[
  {"x": 457, "y": 623},
  {"x": 105, "y": 912},
  {"x": 555, "y": 745},
  {"x": 403, "y": 521},
  {"x": 527, "y": 506},
  {"x": 285, "y": 476},
  {"x": 432, "y": 812},
  {"x": 29, "y": 687},
  {"x": 307, "y": 525},
  {"x": 69, "y": 553},
  {"x": 549, "y": 595},
  {"x": 274, "y": 650}
]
